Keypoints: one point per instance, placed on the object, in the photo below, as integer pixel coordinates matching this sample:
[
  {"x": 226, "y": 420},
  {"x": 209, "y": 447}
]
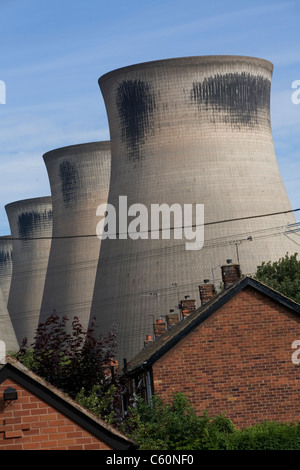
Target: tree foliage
[
  {"x": 269, "y": 435},
  {"x": 282, "y": 275},
  {"x": 77, "y": 362},
  {"x": 175, "y": 426},
  {"x": 101, "y": 404}
]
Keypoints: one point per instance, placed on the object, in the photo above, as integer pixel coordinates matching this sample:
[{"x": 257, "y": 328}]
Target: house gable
[
  {"x": 44, "y": 413},
  {"x": 159, "y": 347},
  {"x": 233, "y": 356}
]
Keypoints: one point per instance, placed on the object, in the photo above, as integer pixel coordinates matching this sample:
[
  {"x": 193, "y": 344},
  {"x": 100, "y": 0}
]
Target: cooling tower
[
  {"x": 5, "y": 266},
  {"x": 30, "y": 222},
  {"x": 7, "y": 332},
  {"x": 79, "y": 180},
  {"x": 188, "y": 131}
]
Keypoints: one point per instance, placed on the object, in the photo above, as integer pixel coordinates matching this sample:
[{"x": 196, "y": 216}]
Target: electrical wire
[
  {"x": 205, "y": 224},
  {"x": 154, "y": 252},
  {"x": 167, "y": 291}
]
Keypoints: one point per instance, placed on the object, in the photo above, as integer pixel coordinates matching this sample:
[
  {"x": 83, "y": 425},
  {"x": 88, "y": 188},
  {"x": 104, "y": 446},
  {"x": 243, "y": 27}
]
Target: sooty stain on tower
[
  {"x": 5, "y": 256},
  {"x": 27, "y": 221},
  {"x": 235, "y": 98},
  {"x": 135, "y": 103},
  {"x": 69, "y": 176}
]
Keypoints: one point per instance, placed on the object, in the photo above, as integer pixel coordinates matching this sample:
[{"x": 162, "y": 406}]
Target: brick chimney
[
  {"x": 187, "y": 306},
  {"x": 159, "y": 327},
  {"x": 206, "y": 291},
  {"x": 231, "y": 273},
  {"x": 148, "y": 340},
  {"x": 172, "y": 318}
]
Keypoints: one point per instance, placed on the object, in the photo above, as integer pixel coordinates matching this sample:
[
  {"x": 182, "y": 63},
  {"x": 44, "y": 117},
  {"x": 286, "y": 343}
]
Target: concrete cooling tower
[
  {"x": 79, "y": 179},
  {"x": 5, "y": 265},
  {"x": 192, "y": 132},
  {"x": 7, "y": 332},
  {"x": 30, "y": 222}
]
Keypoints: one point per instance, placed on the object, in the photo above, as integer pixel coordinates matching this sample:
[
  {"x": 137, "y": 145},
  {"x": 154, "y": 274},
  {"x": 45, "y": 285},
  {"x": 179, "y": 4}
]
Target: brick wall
[
  {"x": 31, "y": 424},
  {"x": 238, "y": 362}
]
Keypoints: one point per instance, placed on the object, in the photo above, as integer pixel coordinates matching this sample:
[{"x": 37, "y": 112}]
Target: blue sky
[{"x": 52, "y": 54}]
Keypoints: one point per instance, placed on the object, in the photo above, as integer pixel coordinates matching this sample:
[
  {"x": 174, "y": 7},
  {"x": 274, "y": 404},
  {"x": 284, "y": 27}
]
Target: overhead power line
[
  {"x": 162, "y": 251},
  {"x": 205, "y": 224}
]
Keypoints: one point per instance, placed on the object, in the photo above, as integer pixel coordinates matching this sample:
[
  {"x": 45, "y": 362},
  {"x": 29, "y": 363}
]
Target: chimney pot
[
  {"x": 159, "y": 327},
  {"x": 148, "y": 340}
]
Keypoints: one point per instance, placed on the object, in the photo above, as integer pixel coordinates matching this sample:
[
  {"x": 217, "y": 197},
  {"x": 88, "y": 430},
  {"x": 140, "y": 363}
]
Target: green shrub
[
  {"x": 161, "y": 426},
  {"x": 99, "y": 402},
  {"x": 266, "y": 436},
  {"x": 176, "y": 426}
]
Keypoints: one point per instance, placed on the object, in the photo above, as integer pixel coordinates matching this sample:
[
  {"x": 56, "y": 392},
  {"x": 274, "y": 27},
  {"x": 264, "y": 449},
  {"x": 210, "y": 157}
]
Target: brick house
[
  {"x": 233, "y": 355},
  {"x": 36, "y": 416}
]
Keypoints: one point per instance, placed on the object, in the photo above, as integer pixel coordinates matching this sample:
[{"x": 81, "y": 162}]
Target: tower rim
[
  {"x": 34, "y": 200},
  {"x": 78, "y": 149},
  {"x": 188, "y": 60}
]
